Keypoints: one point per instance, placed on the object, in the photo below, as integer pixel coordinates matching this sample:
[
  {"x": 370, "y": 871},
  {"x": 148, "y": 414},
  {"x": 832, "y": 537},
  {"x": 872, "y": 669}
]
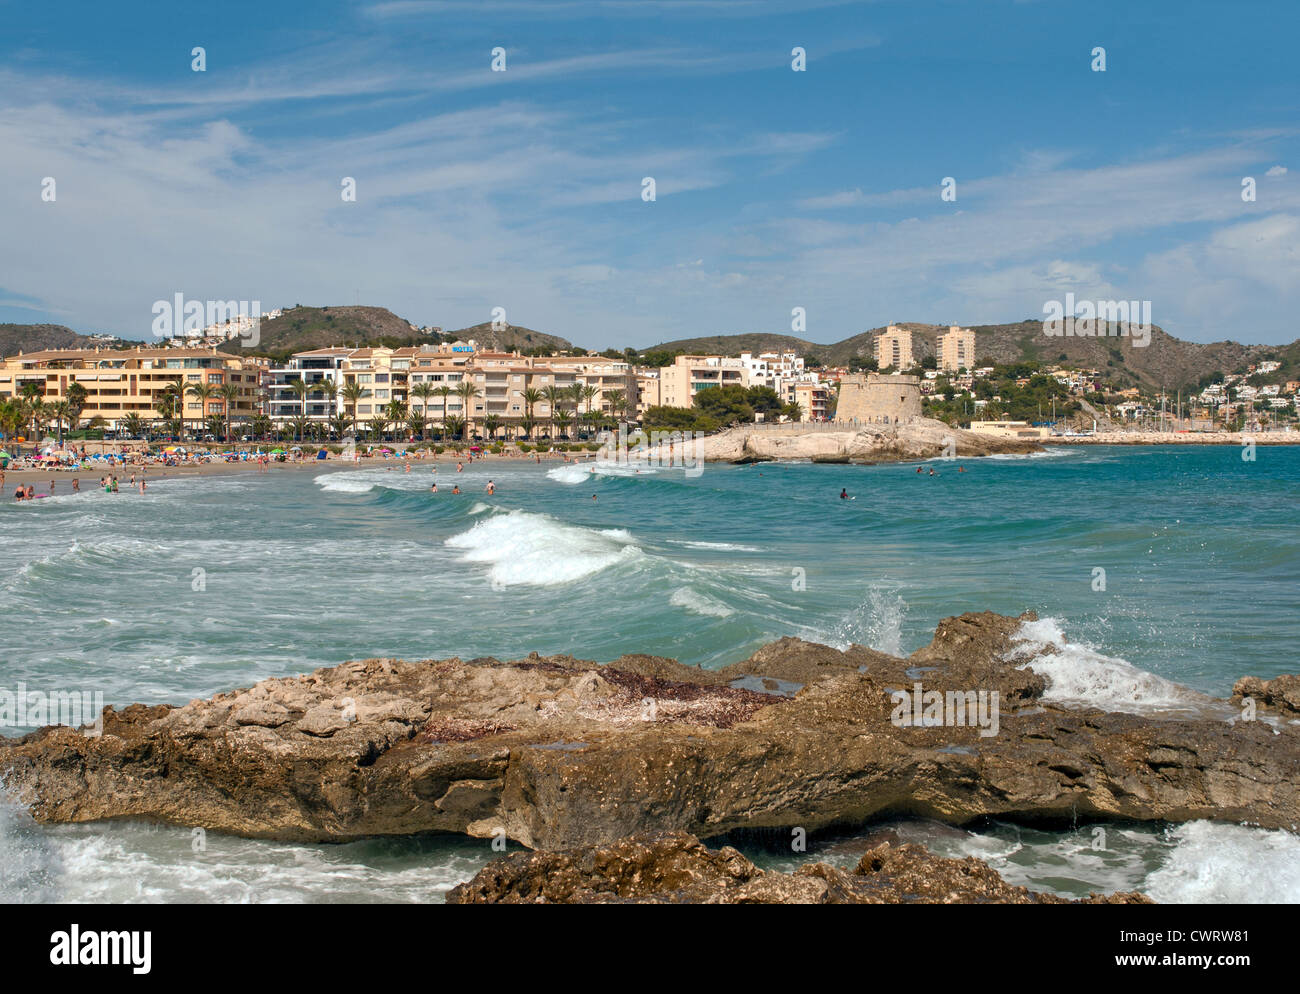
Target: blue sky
[{"x": 775, "y": 189}]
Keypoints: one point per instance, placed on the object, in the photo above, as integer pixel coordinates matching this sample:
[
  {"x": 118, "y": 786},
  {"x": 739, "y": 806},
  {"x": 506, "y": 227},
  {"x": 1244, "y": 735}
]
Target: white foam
[
  {"x": 720, "y": 546},
  {"x": 1079, "y": 674},
  {"x": 525, "y": 548},
  {"x": 1053, "y": 453},
  {"x": 876, "y": 623},
  {"x": 698, "y": 603},
  {"x": 1214, "y": 863},
  {"x": 30, "y": 866},
  {"x": 570, "y": 473},
  {"x": 345, "y": 483}
]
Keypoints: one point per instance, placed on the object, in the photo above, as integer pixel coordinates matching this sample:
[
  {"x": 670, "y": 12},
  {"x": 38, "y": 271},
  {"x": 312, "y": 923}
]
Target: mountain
[
  {"x": 300, "y": 329},
  {"x": 303, "y": 328},
  {"x": 15, "y": 338},
  {"x": 509, "y": 338},
  {"x": 1167, "y": 362}
]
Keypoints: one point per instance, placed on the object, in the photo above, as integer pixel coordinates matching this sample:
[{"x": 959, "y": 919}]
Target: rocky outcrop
[
  {"x": 676, "y": 868},
  {"x": 1281, "y": 694},
  {"x": 557, "y": 752},
  {"x": 920, "y": 438}
]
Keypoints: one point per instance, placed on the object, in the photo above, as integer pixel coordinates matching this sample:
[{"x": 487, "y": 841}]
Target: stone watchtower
[{"x": 879, "y": 399}]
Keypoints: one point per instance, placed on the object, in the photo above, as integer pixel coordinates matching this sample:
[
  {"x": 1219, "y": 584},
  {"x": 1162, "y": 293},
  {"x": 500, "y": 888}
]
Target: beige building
[
  {"x": 955, "y": 350},
  {"x": 813, "y": 398},
  {"x": 122, "y": 382},
  {"x": 647, "y": 392},
  {"x": 502, "y": 384},
  {"x": 1008, "y": 429},
  {"x": 894, "y": 349},
  {"x": 689, "y": 374}
]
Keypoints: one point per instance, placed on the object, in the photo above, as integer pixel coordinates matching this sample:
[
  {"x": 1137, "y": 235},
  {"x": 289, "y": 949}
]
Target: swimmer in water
[
  {"x": 491, "y": 488},
  {"x": 932, "y": 471},
  {"x": 844, "y": 494},
  {"x": 920, "y": 469},
  {"x": 460, "y": 468},
  {"x": 433, "y": 489},
  {"x": 593, "y": 496},
  {"x": 456, "y": 489}
]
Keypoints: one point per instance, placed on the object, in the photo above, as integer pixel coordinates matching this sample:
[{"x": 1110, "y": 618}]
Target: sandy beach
[{"x": 155, "y": 472}]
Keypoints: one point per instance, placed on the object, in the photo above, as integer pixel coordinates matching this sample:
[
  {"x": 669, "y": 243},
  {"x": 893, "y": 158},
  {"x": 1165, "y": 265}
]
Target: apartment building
[
  {"x": 769, "y": 369},
  {"x": 122, "y": 382},
  {"x": 310, "y": 367},
  {"x": 501, "y": 381},
  {"x": 893, "y": 349},
  {"x": 689, "y": 374},
  {"x": 813, "y": 397},
  {"x": 955, "y": 349}
]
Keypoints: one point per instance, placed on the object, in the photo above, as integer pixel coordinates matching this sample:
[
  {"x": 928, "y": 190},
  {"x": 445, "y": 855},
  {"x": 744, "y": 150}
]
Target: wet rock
[
  {"x": 559, "y": 752},
  {"x": 676, "y": 868}
]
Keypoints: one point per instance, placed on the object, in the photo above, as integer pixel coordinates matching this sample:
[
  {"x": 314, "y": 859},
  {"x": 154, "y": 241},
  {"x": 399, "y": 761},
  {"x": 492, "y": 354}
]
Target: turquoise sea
[{"x": 202, "y": 585}]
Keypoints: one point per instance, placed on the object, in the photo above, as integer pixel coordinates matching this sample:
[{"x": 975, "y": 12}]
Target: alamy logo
[
  {"x": 652, "y": 450},
  {"x": 922, "y": 708},
  {"x": 178, "y": 318},
  {"x": 35, "y": 709},
  {"x": 77, "y": 948},
  {"x": 1095, "y": 319}
]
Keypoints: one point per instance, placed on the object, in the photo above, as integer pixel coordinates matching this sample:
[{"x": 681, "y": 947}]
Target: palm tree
[
  {"x": 202, "y": 392},
  {"x": 467, "y": 392},
  {"x": 396, "y": 412},
  {"x": 422, "y": 392},
  {"x": 11, "y": 417},
  {"x": 562, "y": 418},
  {"x": 61, "y": 413},
  {"x": 415, "y": 423},
  {"x": 587, "y": 393},
  {"x": 553, "y": 396},
  {"x": 133, "y": 424},
  {"x": 532, "y": 397},
  {"x": 260, "y": 426},
  {"x": 444, "y": 392},
  {"x": 527, "y": 424},
  {"x": 229, "y": 394},
  {"x": 339, "y": 425},
  {"x": 454, "y": 423},
  {"x": 300, "y": 388},
  {"x": 352, "y": 392},
  {"x": 378, "y": 425},
  {"x": 617, "y": 401},
  {"x": 491, "y": 423}
]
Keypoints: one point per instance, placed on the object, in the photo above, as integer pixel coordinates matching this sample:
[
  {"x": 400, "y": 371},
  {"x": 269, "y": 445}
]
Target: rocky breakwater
[
  {"x": 557, "y": 752},
  {"x": 920, "y": 438}
]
